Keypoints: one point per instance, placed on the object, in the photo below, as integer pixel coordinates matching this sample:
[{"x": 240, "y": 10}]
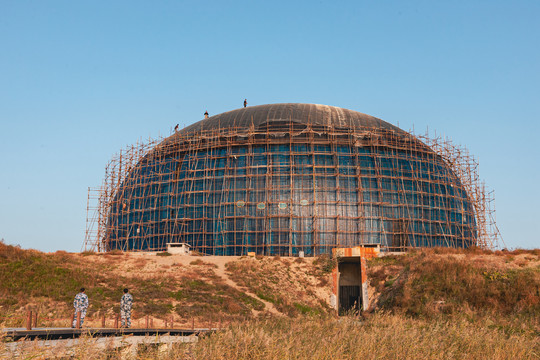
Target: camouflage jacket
[
  {"x": 81, "y": 301},
  {"x": 127, "y": 302}
]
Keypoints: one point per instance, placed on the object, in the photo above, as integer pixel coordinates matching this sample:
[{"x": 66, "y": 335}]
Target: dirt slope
[
  {"x": 431, "y": 282},
  {"x": 426, "y": 283},
  {"x": 182, "y": 288}
]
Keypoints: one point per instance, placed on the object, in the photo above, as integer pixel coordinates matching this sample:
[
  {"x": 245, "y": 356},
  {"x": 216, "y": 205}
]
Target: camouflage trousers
[
  {"x": 125, "y": 315},
  {"x": 83, "y": 315}
]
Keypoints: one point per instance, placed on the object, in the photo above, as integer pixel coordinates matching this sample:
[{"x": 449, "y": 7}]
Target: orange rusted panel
[{"x": 367, "y": 252}]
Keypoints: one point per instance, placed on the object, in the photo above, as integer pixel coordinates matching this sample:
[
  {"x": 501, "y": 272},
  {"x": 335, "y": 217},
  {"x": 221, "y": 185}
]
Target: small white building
[{"x": 179, "y": 248}]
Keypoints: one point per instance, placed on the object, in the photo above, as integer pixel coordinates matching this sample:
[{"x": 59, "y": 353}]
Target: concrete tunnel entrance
[{"x": 350, "y": 286}]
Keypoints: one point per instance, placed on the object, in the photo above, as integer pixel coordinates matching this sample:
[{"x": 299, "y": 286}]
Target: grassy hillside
[
  {"x": 429, "y": 304},
  {"x": 433, "y": 303},
  {"x": 431, "y": 282},
  {"x": 179, "y": 287}
]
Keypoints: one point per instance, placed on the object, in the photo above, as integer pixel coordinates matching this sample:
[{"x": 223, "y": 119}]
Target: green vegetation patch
[
  {"x": 164, "y": 253},
  {"x": 200, "y": 297},
  {"x": 325, "y": 263},
  {"x": 306, "y": 309}
]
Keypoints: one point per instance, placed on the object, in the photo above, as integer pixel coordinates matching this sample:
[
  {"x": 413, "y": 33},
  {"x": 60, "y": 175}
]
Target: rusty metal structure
[{"x": 290, "y": 179}]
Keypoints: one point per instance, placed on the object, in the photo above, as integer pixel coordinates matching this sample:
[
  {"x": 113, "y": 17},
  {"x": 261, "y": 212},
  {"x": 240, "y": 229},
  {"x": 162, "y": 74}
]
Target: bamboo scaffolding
[{"x": 311, "y": 197}]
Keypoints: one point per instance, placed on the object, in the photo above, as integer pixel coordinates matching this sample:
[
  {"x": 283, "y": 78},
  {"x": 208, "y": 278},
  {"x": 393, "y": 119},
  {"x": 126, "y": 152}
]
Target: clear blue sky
[{"x": 79, "y": 80}]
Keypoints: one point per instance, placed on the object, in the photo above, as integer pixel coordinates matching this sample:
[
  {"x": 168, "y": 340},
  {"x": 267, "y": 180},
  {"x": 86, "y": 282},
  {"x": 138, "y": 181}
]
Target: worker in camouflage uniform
[
  {"x": 81, "y": 305},
  {"x": 126, "y": 303}
]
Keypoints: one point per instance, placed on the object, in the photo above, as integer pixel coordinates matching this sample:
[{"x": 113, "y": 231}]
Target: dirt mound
[
  {"x": 176, "y": 287},
  {"x": 435, "y": 281},
  {"x": 187, "y": 289}
]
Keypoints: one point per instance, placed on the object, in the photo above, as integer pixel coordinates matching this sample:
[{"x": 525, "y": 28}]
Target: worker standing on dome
[
  {"x": 245, "y": 102},
  {"x": 126, "y": 303},
  {"x": 81, "y": 305}
]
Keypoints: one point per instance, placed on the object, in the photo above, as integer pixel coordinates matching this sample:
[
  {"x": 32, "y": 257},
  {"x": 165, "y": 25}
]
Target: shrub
[
  {"x": 325, "y": 263},
  {"x": 114, "y": 253}
]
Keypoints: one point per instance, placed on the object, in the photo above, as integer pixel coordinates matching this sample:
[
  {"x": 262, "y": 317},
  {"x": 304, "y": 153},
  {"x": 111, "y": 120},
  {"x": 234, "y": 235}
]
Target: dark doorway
[
  {"x": 349, "y": 298},
  {"x": 350, "y": 282}
]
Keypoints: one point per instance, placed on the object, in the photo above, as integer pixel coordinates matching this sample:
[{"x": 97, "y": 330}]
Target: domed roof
[{"x": 313, "y": 114}]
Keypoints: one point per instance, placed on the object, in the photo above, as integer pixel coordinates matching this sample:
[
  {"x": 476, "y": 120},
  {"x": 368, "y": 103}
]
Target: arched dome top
[
  {"x": 283, "y": 178},
  {"x": 264, "y": 116}
]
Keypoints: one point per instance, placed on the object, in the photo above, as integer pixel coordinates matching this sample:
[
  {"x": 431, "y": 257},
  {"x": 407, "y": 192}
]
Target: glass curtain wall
[{"x": 280, "y": 199}]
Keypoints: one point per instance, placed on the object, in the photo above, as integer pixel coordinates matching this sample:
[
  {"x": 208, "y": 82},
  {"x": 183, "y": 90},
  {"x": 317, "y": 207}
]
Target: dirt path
[
  {"x": 157, "y": 263},
  {"x": 222, "y": 273}
]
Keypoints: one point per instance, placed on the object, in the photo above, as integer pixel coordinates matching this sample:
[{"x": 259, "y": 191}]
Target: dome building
[{"x": 287, "y": 179}]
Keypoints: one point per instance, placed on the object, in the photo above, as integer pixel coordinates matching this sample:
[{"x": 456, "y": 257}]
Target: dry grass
[
  {"x": 140, "y": 263},
  {"x": 114, "y": 253},
  {"x": 439, "y": 303},
  {"x": 432, "y": 282},
  {"x": 203, "y": 263},
  {"x": 381, "y": 336}
]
